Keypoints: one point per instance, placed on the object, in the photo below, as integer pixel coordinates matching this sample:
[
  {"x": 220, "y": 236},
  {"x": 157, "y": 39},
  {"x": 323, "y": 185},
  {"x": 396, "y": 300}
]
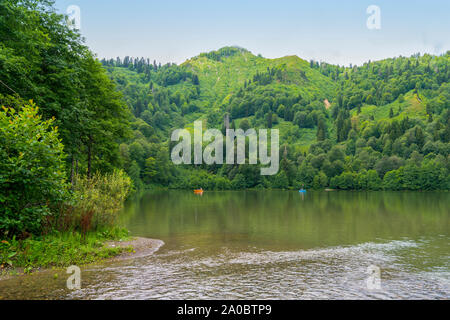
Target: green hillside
[
  {"x": 382, "y": 125},
  {"x": 223, "y": 72}
]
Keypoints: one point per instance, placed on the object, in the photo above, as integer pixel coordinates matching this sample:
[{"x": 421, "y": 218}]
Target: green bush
[
  {"x": 346, "y": 181},
  {"x": 32, "y": 172},
  {"x": 98, "y": 200}
]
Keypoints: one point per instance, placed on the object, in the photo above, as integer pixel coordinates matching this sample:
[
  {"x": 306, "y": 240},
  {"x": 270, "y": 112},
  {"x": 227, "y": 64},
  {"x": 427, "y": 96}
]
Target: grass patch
[
  {"x": 410, "y": 107},
  {"x": 59, "y": 249}
]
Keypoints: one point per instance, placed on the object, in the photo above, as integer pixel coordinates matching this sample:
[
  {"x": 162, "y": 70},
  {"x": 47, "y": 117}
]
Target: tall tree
[{"x": 41, "y": 59}]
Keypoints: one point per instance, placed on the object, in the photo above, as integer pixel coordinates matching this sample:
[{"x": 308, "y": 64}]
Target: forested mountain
[{"x": 382, "y": 125}]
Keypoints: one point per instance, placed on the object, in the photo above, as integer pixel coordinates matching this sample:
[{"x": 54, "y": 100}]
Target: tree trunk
[
  {"x": 72, "y": 170},
  {"x": 89, "y": 157}
]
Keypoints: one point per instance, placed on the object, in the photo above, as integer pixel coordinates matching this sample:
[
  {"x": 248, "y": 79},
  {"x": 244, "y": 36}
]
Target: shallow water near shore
[{"x": 270, "y": 245}]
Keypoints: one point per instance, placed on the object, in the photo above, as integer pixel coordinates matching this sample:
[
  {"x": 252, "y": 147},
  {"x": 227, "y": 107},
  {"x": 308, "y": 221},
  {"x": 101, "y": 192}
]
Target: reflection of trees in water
[{"x": 328, "y": 218}]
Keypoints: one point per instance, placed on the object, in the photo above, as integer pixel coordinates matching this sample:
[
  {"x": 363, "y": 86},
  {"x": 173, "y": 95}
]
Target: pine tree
[
  {"x": 321, "y": 130},
  {"x": 269, "y": 119}
]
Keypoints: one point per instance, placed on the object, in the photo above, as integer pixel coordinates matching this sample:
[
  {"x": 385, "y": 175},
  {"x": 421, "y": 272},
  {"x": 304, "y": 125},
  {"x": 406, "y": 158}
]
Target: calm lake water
[{"x": 272, "y": 245}]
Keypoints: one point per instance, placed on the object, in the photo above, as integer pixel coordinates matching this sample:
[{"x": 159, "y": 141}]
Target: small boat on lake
[
  {"x": 302, "y": 191},
  {"x": 198, "y": 191}
]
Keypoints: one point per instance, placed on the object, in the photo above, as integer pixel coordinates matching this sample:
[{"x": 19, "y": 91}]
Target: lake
[{"x": 272, "y": 245}]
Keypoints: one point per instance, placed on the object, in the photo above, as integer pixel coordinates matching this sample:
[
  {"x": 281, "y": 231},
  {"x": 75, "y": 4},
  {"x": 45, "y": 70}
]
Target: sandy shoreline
[{"x": 142, "y": 247}]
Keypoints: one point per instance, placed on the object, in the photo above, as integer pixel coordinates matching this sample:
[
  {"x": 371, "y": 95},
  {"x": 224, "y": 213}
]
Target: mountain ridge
[{"x": 218, "y": 70}]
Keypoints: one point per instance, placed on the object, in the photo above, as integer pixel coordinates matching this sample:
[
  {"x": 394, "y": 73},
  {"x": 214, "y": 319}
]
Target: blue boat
[{"x": 302, "y": 191}]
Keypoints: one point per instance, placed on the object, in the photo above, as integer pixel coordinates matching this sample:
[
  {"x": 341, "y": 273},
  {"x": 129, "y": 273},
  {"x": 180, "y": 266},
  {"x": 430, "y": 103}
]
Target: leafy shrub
[
  {"x": 32, "y": 172},
  {"x": 98, "y": 200}
]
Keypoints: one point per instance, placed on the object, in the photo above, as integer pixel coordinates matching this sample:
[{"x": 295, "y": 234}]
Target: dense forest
[
  {"x": 382, "y": 125},
  {"x": 61, "y": 122}
]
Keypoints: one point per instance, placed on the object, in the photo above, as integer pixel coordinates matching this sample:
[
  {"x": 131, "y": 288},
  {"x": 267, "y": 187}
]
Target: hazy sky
[{"x": 325, "y": 30}]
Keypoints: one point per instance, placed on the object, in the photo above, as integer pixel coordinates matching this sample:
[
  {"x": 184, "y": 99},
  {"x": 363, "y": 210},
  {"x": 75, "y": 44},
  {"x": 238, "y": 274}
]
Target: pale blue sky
[{"x": 324, "y": 30}]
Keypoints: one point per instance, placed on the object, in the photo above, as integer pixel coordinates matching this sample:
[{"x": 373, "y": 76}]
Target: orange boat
[{"x": 198, "y": 191}]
